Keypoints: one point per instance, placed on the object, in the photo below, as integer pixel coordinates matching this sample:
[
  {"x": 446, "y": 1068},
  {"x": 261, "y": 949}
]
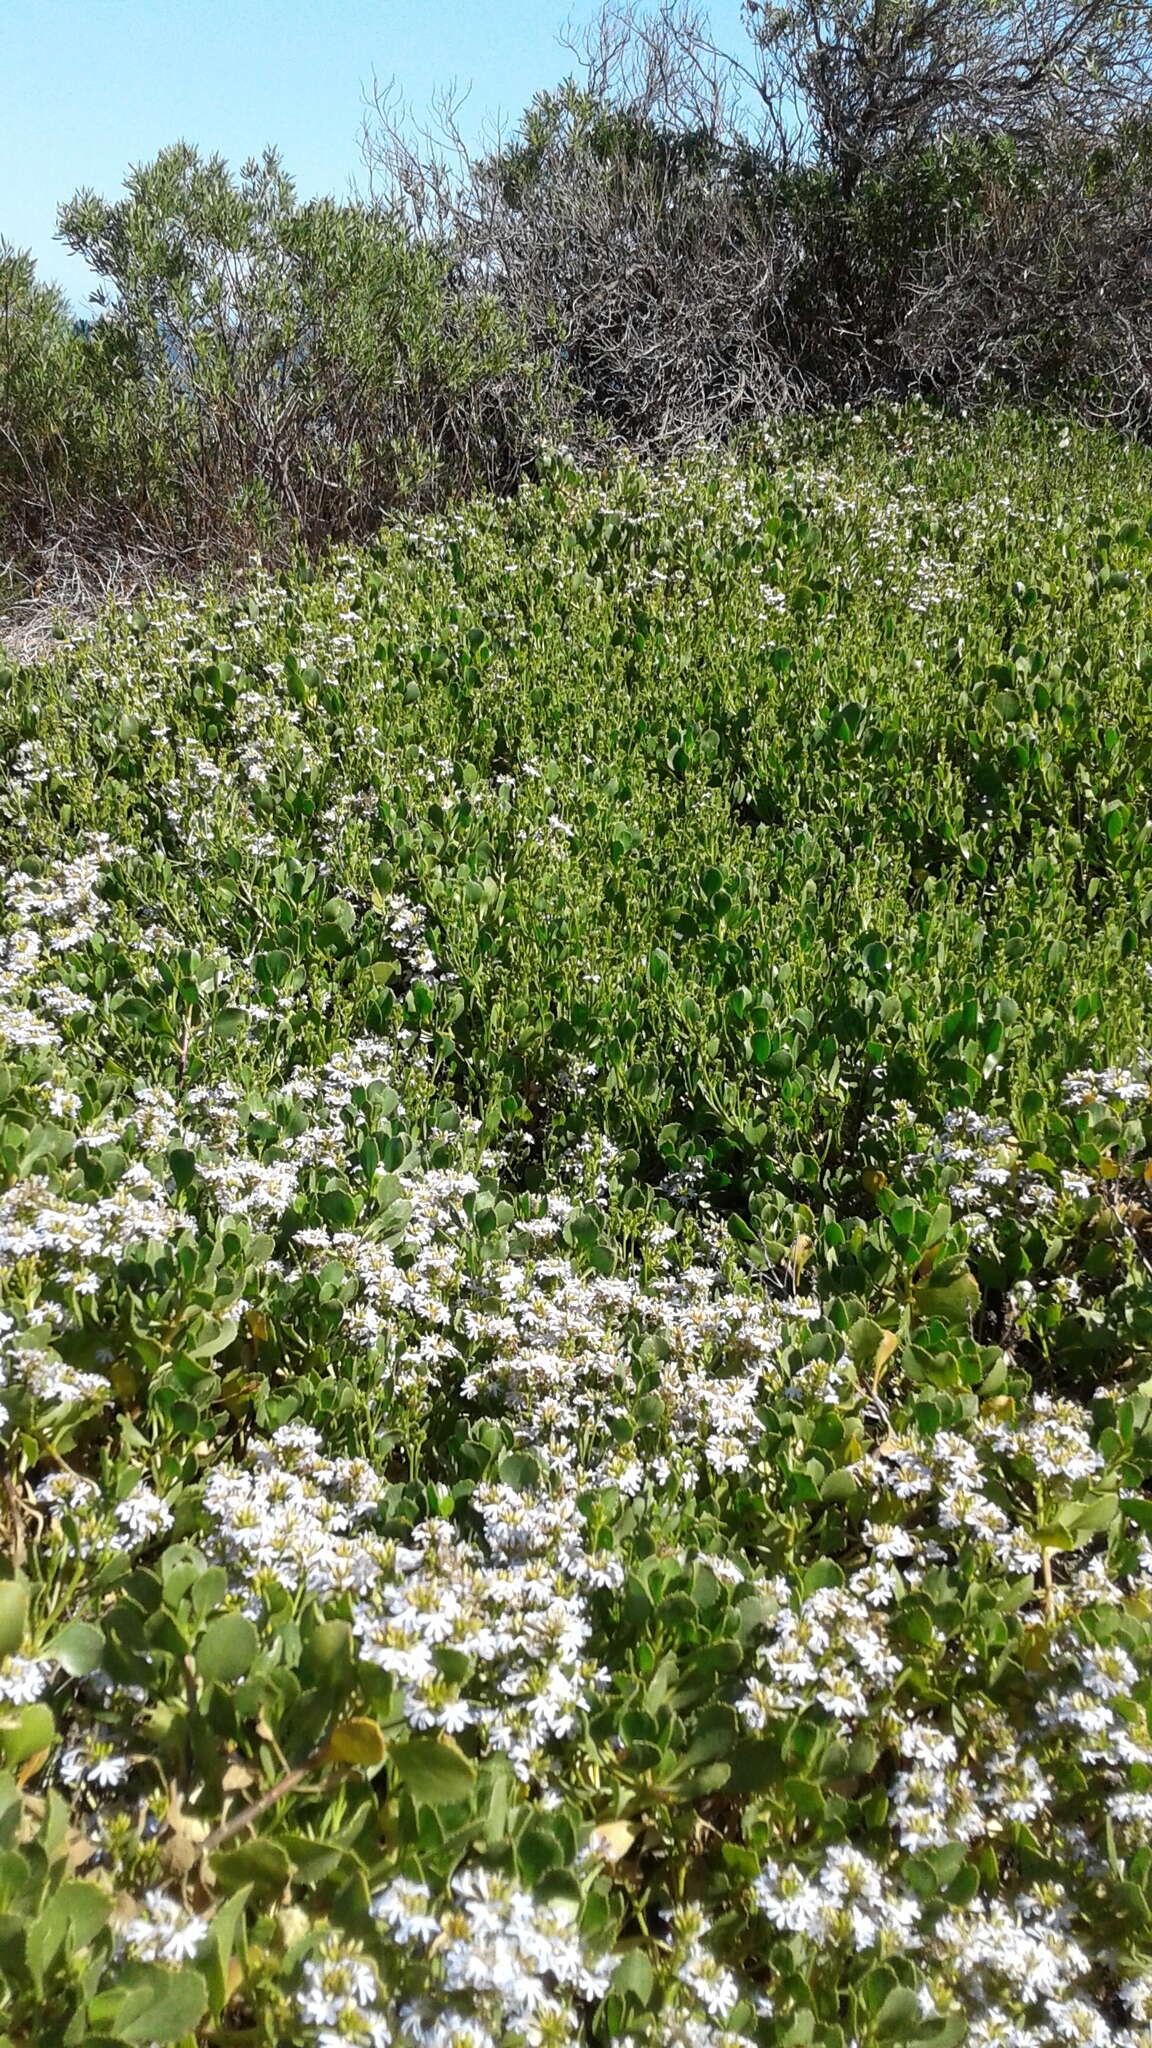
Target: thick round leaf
[
  {"x": 329, "y": 1654},
  {"x": 435, "y": 1773},
  {"x": 634, "y": 1977},
  {"x": 227, "y": 1648},
  {"x": 70, "y": 1920},
  {"x": 151, "y": 2003},
  {"x": 77, "y": 1649},
  {"x": 261, "y": 1863},
  {"x": 358, "y": 1741},
  {"x": 26, "y": 1733}
]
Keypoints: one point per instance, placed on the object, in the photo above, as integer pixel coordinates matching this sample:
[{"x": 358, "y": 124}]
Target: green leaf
[
  {"x": 224, "y": 1934},
  {"x": 329, "y": 1656},
  {"x": 519, "y": 1470},
  {"x": 77, "y": 1649},
  {"x": 213, "y": 1337},
  {"x": 633, "y": 1977},
  {"x": 207, "y": 1589},
  {"x": 25, "y": 1734},
  {"x": 261, "y": 1864},
  {"x": 953, "y": 1300},
  {"x": 1083, "y": 1519},
  {"x": 863, "y": 1339},
  {"x": 875, "y": 1985},
  {"x": 182, "y": 1165},
  {"x": 435, "y": 1773},
  {"x": 947, "y": 2032},
  {"x": 227, "y": 1649},
  {"x": 899, "y": 2015},
  {"x": 754, "y": 1765},
  {"x": 13, "y": 1615},
  {"x": 842, "y": 1484},
  {"x": 71, "y": 1919},
  {"x": 537, "y": 1851},
  {"x": 150, "y": 2003}
]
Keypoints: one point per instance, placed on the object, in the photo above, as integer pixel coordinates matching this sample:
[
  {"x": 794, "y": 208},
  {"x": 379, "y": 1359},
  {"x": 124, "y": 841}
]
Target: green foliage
[
  {"x": 574, "y": 1288},
  {"x": 259, "y": 371},
  {"x": 262, "y": 373}
]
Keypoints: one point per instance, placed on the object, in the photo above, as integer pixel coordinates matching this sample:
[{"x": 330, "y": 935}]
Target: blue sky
[{"x": 93, "y": 86}]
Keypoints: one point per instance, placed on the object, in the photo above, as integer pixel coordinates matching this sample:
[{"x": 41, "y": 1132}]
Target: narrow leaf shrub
[{"x": 260, "y": 373}]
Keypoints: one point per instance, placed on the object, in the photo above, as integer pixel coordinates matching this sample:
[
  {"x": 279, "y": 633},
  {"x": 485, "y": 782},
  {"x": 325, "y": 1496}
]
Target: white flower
[
  {"x": 23, "y": 1679},
  {"x": 142, "y": 1515},
  {"x": 403, "y": 1906},
  {"x": 164, "y": 1932}
]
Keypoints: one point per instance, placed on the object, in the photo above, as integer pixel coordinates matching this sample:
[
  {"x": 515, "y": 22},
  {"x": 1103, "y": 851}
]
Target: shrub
[
  {"x": 260, "y": 370},
  {"x": 928, "y": 197},
  {"x": 50, "y": 421},
  {"x": 873, "y": 220}
]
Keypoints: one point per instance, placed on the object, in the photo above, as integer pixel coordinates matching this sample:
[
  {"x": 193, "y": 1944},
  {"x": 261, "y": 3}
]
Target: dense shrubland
[
  {"x": 575, "y": 1293},
  {"x": 931, "y": 198}
]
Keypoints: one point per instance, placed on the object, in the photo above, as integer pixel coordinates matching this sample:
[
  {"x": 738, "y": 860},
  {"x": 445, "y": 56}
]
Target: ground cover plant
[{"x": 574, "y": 1271}]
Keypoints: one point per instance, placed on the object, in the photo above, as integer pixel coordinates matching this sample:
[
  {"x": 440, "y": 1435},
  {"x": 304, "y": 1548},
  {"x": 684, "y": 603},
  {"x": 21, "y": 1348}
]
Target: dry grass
[{"x": 68, "y": 592}]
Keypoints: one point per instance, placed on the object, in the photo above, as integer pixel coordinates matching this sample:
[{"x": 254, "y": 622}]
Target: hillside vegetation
[
  {"x": 864, "y": 200},
  {"x": 575, "y": 1301}
]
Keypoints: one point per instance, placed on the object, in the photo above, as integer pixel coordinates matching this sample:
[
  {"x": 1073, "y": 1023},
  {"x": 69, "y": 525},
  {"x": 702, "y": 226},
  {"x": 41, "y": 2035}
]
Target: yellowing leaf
[
  {"x": 612, "y": 1840},
  {"x": 889, "y": 1343},
  {"x": 358, "y": 1741},
  {"x": 31, "y": 1766},
  {"x": 928, "y": 1261},
  {"x": 239, "y": 1778},
  {"x": 124, "y": 1382},
  {"x": 1001, "y": 1406}
]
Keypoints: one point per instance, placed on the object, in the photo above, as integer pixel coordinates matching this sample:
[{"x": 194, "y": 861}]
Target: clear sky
[{"x": 93, "y": 86}]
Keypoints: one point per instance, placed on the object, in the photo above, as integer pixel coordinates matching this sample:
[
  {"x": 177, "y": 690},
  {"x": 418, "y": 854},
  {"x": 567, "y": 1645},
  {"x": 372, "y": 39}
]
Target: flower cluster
[{"x": 574, "y": 1275}]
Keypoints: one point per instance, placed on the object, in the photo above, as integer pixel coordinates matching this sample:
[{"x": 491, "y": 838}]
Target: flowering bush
[{"x": 574, "y": 1276}]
